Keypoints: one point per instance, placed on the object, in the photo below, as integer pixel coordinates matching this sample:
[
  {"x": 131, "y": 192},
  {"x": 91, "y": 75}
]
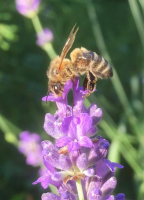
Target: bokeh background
[{"x": 113, "y": 29}]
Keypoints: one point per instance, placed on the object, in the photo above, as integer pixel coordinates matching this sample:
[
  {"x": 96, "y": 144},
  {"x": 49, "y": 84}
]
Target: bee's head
[{"x": 56, "y": 88}]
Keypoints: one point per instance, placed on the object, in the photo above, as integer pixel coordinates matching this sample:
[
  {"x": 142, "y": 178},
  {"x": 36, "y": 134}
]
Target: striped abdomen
[{"x": 84, "y": 61}]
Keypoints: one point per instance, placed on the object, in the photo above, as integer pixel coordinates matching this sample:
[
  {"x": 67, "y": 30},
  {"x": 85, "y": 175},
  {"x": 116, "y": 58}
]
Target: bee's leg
[
  {"x": 91, "y": 88},
  {"x": 92, "y": 78},
  {"x": 70, "y": 74},
  {"x": 86, "y": 95},
  {"x": 89, "y": 83},
  {"x": 68, "y": 71},
  {"x": 85, "y": 83}
]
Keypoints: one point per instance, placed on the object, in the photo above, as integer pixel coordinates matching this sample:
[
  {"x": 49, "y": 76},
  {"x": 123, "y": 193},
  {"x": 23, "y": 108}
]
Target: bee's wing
[{"x": 68, "y": 44}]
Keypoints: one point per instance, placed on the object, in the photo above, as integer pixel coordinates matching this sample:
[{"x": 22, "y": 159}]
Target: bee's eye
[{"x": 55, "y": 87}]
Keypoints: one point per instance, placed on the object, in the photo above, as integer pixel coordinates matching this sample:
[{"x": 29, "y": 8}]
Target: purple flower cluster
[
  {"x": 77, "y": 155},
  {"x": 29, "y": 145},
  {"x": 27, "y": 8}
]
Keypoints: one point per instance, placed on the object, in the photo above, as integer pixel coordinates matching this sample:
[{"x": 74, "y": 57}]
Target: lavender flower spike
[
  {"x": 44, "y": 37},
  {"x": 28, "y": 8},
  {"x": 78, "y": 156}
]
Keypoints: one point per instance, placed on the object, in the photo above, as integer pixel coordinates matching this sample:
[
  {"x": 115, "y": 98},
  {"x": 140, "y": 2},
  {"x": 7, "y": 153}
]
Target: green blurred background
[{"x": 113, "y": 29}]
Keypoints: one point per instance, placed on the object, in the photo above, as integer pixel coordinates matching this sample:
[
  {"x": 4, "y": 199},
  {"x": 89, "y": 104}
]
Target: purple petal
[
  {"x": 50, "y": 97},
  {"x": 85, "y": 142},
  {"x": 69, "y": 126},
  {"x": 109, "y": 186},
  {"x": 96, "y": 113},
  {"x": 112, "y": 165},
  {"x": 44, "y": 180},
  {"x": 85, "y": 124},
  {"x": 90, "y": 172},
  {"x": 46, "y": 144},
  {"x": 93, "y": 157},
  {"x": 98, "y": 152},
  {"x": 95, "y": 194},
  {"x": 73, "y": 146},
  {"x": 102, "y": 147},
  {"x": 111, "y": 197},
  {"x": 50, "y": 153},
  {"x": 120, "y": 196},
  {"x": 49, "y": 147},
  {"x": 52, "y": 126},
  {"x": 50, "y": 196},
  {"x": 49, "y": 166},
  {"x": 59, "y": 176},
  {"x": 52, "y": 158},
  {"x": 60, "y": 101},
  {"x": 61, "y": 142},
  {"x": 101, "y": 168},
  {"x": 65, "y": 162},
  {"x": 68, "y": 196},
  {"x": 82, "y": 161},
  {"x": 78, "y": 93},
  {"x": 67, "y": 88},
  {"x": 92, "y": 131}
]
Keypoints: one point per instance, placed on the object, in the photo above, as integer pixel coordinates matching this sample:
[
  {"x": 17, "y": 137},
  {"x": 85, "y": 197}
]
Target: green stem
[
  {"x": 142, "y": 5},
  {"x": 36, "y": 23},
  {"x": 48, "y": 46},
  {"x": 140, "y": 27},
  {"x": 138, "y": 18},
  {"x": 141, "y": 192},
  {"x": 79, "y": 189},
  {"x": 10, "y": 130}
]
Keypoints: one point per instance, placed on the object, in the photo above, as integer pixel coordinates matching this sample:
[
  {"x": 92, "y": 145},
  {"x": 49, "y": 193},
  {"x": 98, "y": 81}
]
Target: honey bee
[{"x": 82, "y": 62}]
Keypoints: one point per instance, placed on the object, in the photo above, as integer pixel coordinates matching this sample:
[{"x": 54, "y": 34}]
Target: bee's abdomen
[
  {"x": 100, "y": 67},
  {"x": 84, "y": 60}
]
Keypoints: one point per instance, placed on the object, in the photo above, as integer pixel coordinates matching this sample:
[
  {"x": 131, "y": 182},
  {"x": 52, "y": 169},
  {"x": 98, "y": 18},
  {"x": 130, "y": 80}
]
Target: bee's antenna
[{"x": 47, "y": 96}]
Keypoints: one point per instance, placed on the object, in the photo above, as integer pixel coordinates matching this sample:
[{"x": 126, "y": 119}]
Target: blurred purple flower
[
  {"x": 44, "y": 37},
  {"x": 29, "y": 145},
  {"x": 27, "y": 8}
]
